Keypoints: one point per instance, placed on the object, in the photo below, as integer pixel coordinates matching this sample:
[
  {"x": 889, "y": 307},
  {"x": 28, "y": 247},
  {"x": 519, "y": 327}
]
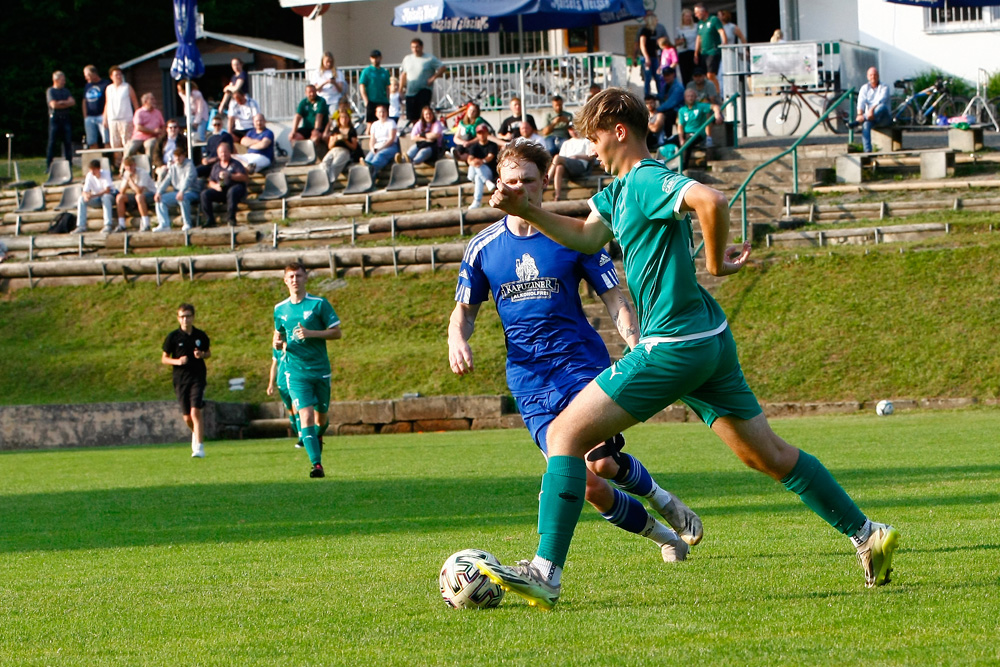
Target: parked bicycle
[
  {"x": 919, "y": 108},
  {"x": 783, "y": 117}
]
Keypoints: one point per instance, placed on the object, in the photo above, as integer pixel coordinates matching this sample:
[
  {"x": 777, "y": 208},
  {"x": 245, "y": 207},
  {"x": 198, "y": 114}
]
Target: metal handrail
[
  {"x": 741, "y": 192},
  {"x": 701, "y": 130}
]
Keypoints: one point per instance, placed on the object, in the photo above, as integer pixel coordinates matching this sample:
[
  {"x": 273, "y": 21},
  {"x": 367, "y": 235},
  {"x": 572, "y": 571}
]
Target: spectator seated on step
[
  {"x": 182, "y": 176},
  {"x": 242, "y": 109},
  {"x": 163, "y": 153},
  {"x": 704, "y": 89},
  {"x": 510, "y": 128},
  {"x": 136, "y": 184},
  {"x": 227, "y": 183},
  {"x": 210, "y": 152},
  {"x": 657, "y": 128},
  {"x": 428, "y": 138},
  {"x": 311, "y": 117},
  {"x": 691, "y": 117},
  {"x": 383, "y": 142},
  {"x": 345, "y": 148},
  {"x": 673, "y": 98},
  {"x": 148, "y": 126},
  {"x": 465, "y": 131},
  {"x": 575, "y": 159},
  {"x": 98, "y": 190},
  {"x": 260, "y": 146},
  {"x": 556, "y": 129},
  {"x": 873, "y": 107}
]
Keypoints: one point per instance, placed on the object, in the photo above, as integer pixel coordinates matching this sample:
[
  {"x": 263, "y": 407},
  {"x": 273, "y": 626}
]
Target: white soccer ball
[
  {"x": 463, "y": 586},
  {"x": 883, "y": 408}
]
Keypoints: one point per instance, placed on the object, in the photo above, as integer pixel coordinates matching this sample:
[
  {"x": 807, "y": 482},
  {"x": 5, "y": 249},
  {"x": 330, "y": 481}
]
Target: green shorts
[
  {"x": 705, "y": 374},
  {"x": 309, "y": 392}
]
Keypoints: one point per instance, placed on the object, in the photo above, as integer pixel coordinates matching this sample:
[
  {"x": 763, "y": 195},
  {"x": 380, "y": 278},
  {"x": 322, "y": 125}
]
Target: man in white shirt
[
  {"x": 137, "y": 183},
  {"x": 873, "y": 107},
  {"x": 242, "y": 109},
  {"x": 182, "y": 176},
  {"x": 575, "y": 158},
  {"x": 98, "y": 190}
]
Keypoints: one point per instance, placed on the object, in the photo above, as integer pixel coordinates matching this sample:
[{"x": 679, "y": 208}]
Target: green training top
[
  {"x": 709, "y": 32},
  {"x": 643, "y": 211},
  {"x": 307, "y": 356}
]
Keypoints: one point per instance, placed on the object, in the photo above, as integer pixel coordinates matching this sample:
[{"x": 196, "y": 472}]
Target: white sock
[
  {"x": 548, "y": 569},
  {"x": 864, "y": 532},
  {"x": 145, "y": 220},
  {"x": 659, "y": 533},
  {"x": 121, "y": 222},
  {"x": 659, "y": 498}
]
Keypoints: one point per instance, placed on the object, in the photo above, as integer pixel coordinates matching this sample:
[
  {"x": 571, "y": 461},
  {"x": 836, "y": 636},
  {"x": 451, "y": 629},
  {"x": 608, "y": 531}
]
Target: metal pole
[
  {"x": 795, "y": 170},
  {"x": 520, "y": 66},
  {"x": 9, "y": 162},
  {"x": 187, "y": 114}
]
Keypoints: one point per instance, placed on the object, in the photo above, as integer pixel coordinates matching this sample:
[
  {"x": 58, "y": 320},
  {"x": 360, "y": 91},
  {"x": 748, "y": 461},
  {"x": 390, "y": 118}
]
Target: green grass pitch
[{"x": 143, "y": 556}]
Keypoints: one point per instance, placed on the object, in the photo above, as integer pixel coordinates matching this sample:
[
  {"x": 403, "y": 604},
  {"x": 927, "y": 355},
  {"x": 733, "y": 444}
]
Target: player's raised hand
[
  {"x": 460, "y": 357},
  {"x": 734, "y": 258},
  {"x": 182, "y": 361},
  {"x": 509, "y": 200}
]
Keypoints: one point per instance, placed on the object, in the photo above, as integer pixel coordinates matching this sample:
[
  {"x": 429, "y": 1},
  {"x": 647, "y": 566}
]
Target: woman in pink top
[{"x": 148, "y": 126}]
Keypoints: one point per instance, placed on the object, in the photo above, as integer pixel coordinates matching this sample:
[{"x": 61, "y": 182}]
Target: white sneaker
[
  {"x": 475, "y": 204},
  {"x": 683, "y": 520},
  {"x": 121, "y": 228},
  {"x": 162, "y": 228},
  {"x": 144, "y": 227},
  {"x": 186, "y": 228},
  {"x": 107, "y": 229},
  {"x": 525, "y": 580},
  {"x": 675, "y": 551},
  {"x": 875, "y": 555},
  {"x": 198, "y": 451}
]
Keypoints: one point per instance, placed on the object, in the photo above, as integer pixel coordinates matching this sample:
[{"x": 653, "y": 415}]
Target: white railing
[
  {"x": 490, "y": 81},
  {"x": 838, "y": 65}
]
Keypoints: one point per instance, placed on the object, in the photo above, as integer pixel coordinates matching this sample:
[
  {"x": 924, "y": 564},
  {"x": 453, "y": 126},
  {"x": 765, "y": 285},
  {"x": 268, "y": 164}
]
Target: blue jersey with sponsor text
[{"x": 535, "y": 285}]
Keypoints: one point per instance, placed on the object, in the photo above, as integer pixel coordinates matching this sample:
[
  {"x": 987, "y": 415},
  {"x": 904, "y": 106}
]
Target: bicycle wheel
[
  {"x": 952, "y": 106},
  {"x": 782, "y": 118},
  {"x": 836, "y": 122},
  {"x": 902, "y": 112}
]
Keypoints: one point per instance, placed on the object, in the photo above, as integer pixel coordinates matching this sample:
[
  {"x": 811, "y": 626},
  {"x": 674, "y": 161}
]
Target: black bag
[{"x": 63, "y": 224}]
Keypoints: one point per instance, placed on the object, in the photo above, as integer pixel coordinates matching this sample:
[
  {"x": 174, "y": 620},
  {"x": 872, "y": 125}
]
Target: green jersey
[
  {"x": 376, "y": 83},
  {"x": 691, "y": 118},
  {"x": 306, "y": 357},
  {"x": 709, "y": 33},
  {"x": 643, "y": 211}
]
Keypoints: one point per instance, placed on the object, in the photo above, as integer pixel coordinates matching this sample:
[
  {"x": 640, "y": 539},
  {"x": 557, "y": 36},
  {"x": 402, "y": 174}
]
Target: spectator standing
[
  {"x": 260, "y": 146},
  {"x": 197, "y": 107},
  {"x": 186, "y": 350},
  {"x": 135, "y": 184},
  {"x": 98, "y": 190},
  {"x": 374, "y": 86},
  {"x": 329, "y": 81},
  {"x": 59, "y": 101},
  {"x": 557, "y": 122},
  {"x": 648, "y": 50},
  {"x": 148, "y": 126},
  {"x": 344, "y": 146},
  {"x": 873, "y": 107},
  {"x": 242, "y": 109},
  {"x": 575, "y": 159},
  {"x": 237, "y": 83},
  {"x": 311, "y": 118},
  {"x": 668, "y": 58},
  {"x": 119, "y": 109},
  {"x": 93, "y": 107},
  {"x": 210, "y": 152},
  {"x": 465, "y": 131},
  {"x": 383, "y": 142},
  {"x": 733, "y": 36},
  {"x": 482, "y": 157},
  {"x": 394, "y": 105},
  {"x": 687, "y": 36},
  {"x": 510, "y": 128},
  {"x": 417, "y": 80},
  {"x": 227, "y": 183},
  {"x": 777, "y": 37},
  {"x": 706, "y": 48},
  {"x": 428, "y": 138},
  {"x": 183, "y": 178}
]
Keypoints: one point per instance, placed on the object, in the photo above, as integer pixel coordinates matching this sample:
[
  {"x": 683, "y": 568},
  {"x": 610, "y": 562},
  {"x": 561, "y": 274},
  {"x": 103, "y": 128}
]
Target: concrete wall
[{"x": 829, "y": 19}]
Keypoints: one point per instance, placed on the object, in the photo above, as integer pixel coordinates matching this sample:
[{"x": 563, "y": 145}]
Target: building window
[
  {"x": 961, "y": 19},
  {"x": 464, "y": 44},
  {"x": 534, "y": 42}
]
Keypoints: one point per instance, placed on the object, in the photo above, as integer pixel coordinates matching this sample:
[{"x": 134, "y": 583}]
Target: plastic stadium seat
[
  {"x": 359, "y": 180},
  {"x": 33, "y": 199},
  {"x": 106, "y": 165},
  {"x": 445, "y": 173},
  {"x": 70, "y": 195},
  {"x": 60, "y": 172},
  {"x": 402, "y": 177},
  {"x": 317, "y": 183},
  {"x": 142, "y": 162},
  {"x": 303, "y": 153},
  {"x": 275, "y": 186},
  {"x": 17, "y": 183}
]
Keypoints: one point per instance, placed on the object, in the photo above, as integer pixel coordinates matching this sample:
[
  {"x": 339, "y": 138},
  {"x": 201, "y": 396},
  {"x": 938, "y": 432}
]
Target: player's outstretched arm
[
  {"x": 622, "y": 315},
  {"x": 713, "y": 214},
  {"x": 587, "y": 236},
  {"x": 461, "y": 325}
]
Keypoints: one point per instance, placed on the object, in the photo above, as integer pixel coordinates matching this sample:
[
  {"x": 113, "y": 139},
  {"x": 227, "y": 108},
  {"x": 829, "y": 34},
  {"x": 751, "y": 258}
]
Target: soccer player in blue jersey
[
  {"x": 553, "y": 351},
  {"x": 686, "y": 351},
  {"x": 302, "y": 325}
]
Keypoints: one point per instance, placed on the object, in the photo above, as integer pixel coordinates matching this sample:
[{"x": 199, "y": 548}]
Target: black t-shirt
[
  {"x": 233, "y": 168},
  {"x": 54, "y": 94},
  {"x": 476, "y": 149},
  {"x": 651, "y": 45},
  {"x": 512, "y": 124},
  {"x": 93, "y": 97},
  {"x": 179, "y": 344},
  {"x": 213, "y": 141},
  {"x": 341, "y": 142}
]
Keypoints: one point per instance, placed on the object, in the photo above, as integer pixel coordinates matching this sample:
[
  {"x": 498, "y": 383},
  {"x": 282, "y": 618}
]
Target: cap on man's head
[
  {"x": 375, "y": 54},
  {"x": 482, "y": 128},
  {"x": 698, "y": 71}
]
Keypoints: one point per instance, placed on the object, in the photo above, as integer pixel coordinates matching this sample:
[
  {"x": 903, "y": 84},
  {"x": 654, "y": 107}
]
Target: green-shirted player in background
[
  {"x": 302, "y": 325},
  {"x": 278, "y": 380},
  {"x": 686, "y": 351}
]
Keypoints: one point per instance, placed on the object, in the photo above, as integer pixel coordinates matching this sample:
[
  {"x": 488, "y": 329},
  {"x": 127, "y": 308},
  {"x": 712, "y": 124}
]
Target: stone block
[
  {"x": 356, "y": 429},
  {"x": 965, "y": 141},
  {"x": 396, "y": 427},
  {"x": 232, "y": 413},
  {"x": 429, "y": 407},
  {"x": 887, "y": 139},
  {"x": 672, "y": 413},
  {"x": 937, "y": 164},
  {"x": 434, "y": 425},
  {"x": 270, "y": 410},
  {"x": 476, "y": 407},
  {"x": 491, "y": 423},
  {"x": 362, "y": 412},
  {"x": 946, "y": 403},
  {"x": 848, "y": 168}
]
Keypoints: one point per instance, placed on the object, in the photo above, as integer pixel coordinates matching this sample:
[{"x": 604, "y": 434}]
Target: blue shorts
[{"x": 538, "y": 410}]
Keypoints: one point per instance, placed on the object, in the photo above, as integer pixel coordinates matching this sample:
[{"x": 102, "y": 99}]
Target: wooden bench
[{"x": 935, "y": 163}]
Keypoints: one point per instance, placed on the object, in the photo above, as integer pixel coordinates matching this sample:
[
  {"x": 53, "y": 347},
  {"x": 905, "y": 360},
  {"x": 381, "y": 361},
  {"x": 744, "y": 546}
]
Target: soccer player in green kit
[
  {"x": 302, "y": 325},
  {"x": 277, "y": 380},
  {"x": 686, "y": 351}
]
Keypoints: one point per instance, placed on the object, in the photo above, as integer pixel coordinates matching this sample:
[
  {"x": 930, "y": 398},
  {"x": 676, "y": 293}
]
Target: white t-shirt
[
  {"x": 118, "y": 103},
  {"x": 142, "y": 179},
  {"x": 573, "y": 147},
  {"x": 243, "y": 113},
  {"x": 394, "y": 105},
  {"x": 94, "y": 184},
  {"x": 536, "y": 138},
  {"x": 330, "y": 93},
  {"x": 381, "y": 132}
]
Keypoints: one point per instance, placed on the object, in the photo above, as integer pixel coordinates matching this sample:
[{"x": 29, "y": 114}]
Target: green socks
[
  {"x": 293, "y": 419},
  {"x": 559, "y": 505},
  {"x": 310, "y": 439},
  {"x": 823, "y": 495}
]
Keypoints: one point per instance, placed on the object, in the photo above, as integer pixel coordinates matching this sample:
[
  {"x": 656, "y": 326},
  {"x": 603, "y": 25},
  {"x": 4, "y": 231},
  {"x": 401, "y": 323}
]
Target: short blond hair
[{"x": 608, "y": 108}]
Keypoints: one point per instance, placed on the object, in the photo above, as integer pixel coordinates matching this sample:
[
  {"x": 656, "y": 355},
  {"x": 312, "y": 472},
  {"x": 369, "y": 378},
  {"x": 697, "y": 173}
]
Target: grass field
[{"x": 143, "y": 556}]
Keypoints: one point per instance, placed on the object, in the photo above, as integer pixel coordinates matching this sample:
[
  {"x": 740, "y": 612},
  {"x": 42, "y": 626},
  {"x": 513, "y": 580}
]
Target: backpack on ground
[{"x": 64, "y": 223}]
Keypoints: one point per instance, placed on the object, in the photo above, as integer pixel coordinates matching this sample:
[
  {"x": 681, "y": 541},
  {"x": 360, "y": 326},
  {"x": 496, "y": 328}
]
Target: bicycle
[
  {"x": 937, "y": 99},
  {"x": 783, "y": 117}
]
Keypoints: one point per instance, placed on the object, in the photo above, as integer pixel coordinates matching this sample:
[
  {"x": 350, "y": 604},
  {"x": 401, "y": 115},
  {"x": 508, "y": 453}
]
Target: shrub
[{"x": 959, "y": 86}]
